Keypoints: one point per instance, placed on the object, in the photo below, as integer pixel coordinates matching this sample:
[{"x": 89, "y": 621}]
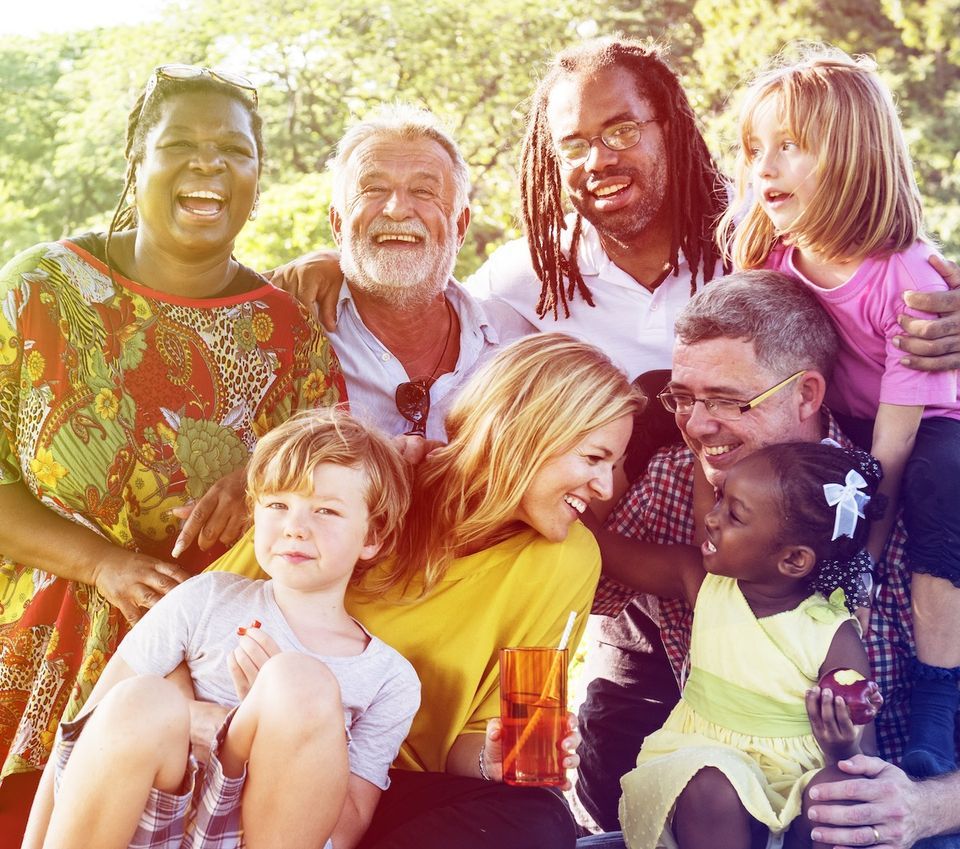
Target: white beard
[{"x": 405, "y": 278}]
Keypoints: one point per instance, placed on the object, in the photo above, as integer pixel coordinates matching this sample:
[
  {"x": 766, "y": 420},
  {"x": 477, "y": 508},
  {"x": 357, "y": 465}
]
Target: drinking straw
[
  {"x": 567, "y": 631},
  {"x": 535, "y": 717}
]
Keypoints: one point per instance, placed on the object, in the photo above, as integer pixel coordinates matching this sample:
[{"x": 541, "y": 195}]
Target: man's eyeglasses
[
  {"x": 194, "y": 72},
  {"x": 721, "y": 408},
  {"x": 413, "y": 403},
  {"x": 620, "y": 136}
]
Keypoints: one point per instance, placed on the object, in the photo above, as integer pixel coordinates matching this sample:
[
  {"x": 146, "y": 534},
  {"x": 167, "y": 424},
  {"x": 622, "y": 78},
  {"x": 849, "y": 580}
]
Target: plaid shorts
[{"x": 205, "y": 814}]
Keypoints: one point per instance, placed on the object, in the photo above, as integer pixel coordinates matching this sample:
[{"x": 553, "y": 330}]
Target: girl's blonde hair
[
  {"x": 287, "y": 456},
  {"x": 536, "y": 399},
  {"x": 866, "y": 201}
]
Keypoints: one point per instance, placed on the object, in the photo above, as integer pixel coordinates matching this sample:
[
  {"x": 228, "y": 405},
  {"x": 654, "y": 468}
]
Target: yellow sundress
[{"x": 742, "y": 711}]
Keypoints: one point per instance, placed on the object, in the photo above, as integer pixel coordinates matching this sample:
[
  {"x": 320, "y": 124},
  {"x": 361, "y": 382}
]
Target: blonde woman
[{"x": 492, "y": 555}]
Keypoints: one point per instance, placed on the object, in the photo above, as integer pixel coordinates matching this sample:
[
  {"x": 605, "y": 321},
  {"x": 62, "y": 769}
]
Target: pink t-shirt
[{"x": 864, "y": 310}]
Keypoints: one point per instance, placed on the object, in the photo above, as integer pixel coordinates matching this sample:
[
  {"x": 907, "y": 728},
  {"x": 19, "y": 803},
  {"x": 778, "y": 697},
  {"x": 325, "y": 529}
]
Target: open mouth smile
[
  {"x": 718, "y": 450},
  {"x": 610, "y": 189},
  {"x": 577, "y": 504},
  {"x": 204, "y": 203},
  {"x": 386, "y": 238}
]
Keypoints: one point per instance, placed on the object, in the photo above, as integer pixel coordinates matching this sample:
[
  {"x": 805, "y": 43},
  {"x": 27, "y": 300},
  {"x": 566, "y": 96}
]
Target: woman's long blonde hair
[
  {"x": 866, "y": 201},
  {"x": 534, "y": 400}
]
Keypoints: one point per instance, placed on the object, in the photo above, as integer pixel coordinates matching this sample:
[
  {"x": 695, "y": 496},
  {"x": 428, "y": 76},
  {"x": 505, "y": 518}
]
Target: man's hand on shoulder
[
  {"x": 314, "y": 279},
  {"x": 933, "y": 344}
]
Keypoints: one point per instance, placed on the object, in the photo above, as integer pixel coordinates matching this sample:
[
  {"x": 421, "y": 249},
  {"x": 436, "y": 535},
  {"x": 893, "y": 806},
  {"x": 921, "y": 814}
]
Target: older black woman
[{"x": 136, "y": 371}]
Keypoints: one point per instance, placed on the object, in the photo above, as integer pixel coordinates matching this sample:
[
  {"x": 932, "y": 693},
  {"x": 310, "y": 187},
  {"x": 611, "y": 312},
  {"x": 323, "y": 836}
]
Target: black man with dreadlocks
[
  {"x": 137, "y": 370},
  {"x": 611, "y": 127}
]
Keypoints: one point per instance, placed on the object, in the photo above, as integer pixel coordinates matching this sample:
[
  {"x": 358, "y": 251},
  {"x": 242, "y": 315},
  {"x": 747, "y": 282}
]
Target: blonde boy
[{"x": 282, "y": 656}]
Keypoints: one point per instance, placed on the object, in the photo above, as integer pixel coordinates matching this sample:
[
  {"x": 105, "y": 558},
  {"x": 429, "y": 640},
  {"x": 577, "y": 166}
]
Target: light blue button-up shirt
[{"x": 372, "y": 373}]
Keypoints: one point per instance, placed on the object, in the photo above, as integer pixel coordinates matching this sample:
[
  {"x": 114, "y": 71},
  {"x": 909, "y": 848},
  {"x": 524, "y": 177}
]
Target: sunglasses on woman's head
[
  {"x": 195, "y": 72},
  {"x": 413, "y": 403}
]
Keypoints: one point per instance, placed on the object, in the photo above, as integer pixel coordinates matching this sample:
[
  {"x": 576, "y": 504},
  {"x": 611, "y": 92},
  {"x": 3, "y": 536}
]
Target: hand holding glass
[{"x": 533, "y": 710}]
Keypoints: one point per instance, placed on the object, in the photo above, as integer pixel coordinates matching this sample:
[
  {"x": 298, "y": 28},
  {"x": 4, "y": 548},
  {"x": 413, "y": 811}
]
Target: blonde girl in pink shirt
[{"x": 825, "y": 191}]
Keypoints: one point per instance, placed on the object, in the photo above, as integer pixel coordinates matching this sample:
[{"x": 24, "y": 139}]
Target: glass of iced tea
[{"x": 533, "y": 709}]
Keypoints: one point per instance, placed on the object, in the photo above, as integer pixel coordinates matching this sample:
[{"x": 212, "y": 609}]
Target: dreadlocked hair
[
  {"x": 696, "y": 194},
  {"x": 146, "y": 114},
  {"x": 802, "y": 469}
]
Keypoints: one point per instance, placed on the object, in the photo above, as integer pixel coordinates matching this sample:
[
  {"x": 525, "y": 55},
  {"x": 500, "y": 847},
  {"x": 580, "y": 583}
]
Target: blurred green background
[{"x": 64, "y": 98}]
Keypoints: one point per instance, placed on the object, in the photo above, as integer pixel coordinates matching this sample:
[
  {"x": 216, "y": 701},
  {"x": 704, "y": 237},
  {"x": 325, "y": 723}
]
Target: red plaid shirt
[{"x": 659, "y": 508}]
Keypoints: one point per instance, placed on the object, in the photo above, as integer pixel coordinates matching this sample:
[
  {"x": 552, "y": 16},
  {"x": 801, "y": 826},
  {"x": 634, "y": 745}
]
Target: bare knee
[
  {"x": 298, "y": 686},
  {"x": 709, "y": 813},
  {"x": 710, "y": 792},
  {"x": 802, "y": 826},
  {"x": 144, "y": 710}
]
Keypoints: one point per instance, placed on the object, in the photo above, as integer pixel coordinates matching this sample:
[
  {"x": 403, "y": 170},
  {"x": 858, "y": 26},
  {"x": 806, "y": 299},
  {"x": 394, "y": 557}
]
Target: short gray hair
[
  {"x": 789, "y": 329},
  {"x": 406, "y": 122}
]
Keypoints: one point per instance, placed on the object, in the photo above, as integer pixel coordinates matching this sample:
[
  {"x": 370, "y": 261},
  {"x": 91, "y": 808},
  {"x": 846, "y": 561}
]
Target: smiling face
[
  {"x": 310, "y": 542},
  {"x": 197, "y": 180},
  {"x": 784, "y": 175},
  {"x": 567, "y": 483},
  {"x": 728, "y": 368},
  {"x": 398, "y": 228},
  {"x": 744, "y": 529},
  {"x": 619, "y": 192}
]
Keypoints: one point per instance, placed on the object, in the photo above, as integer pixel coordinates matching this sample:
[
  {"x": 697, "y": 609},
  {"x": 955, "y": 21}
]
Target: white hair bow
[{"x": 849, "y": 503}]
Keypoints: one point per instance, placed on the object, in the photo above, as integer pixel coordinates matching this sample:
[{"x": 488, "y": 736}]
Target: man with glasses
[
  {"x": 407, "y": 334},
  {"x": 751, "y": 360},
  {"x": 611, "y": 128}
]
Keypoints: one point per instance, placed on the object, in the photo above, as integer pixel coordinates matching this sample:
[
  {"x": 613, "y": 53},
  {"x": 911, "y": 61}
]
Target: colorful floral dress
[
  {"x": 118, "y": 403},
  {"x": 742, "y": 711}
]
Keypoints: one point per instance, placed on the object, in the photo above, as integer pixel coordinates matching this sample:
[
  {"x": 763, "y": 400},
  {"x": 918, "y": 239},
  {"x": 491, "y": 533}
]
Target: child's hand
[
  {"x": 205, "y": 721},
  {"x": 254, "y": 649},
  {"x": 832, "y": 727}
]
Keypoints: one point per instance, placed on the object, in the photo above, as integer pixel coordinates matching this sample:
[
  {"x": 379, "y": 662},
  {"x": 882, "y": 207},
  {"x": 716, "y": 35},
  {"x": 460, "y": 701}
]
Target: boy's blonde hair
[
  {"x": 287, "y": 456},
  {"x": 534, "y": 400},
  {"x": 866, "y": 201}
]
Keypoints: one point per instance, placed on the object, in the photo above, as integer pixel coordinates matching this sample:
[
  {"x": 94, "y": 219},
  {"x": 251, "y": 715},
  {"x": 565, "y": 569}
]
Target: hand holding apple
[
  {"x": 860, "y": 694},
  {"x": 831, "y": 706}
]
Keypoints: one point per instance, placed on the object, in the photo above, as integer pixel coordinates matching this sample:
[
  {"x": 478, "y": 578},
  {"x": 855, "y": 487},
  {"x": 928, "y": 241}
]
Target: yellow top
[
  {"x": 742, "y": 711},
  {"x": 517, "y": 593}
]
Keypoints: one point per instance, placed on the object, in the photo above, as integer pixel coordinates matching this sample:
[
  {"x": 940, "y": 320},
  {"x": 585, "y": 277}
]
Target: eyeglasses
[
  {"x": 195, "y": 72},
  {"x": 413, "y": 403},
  {"x": 722, "y": 408},
  {"x": 620, "y": 136}
]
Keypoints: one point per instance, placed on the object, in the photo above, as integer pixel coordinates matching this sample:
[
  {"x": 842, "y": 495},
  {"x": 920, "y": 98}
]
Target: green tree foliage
[{"x": 319, "y": 63}]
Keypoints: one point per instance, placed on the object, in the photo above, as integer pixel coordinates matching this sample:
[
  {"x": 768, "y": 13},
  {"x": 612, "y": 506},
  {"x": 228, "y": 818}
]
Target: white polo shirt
[
  {"x": 372, "y": 373},
  {"x": 632, "y": 325}
]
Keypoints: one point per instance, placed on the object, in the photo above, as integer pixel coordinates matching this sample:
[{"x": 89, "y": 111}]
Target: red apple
[{"x": 858, "y": 693}]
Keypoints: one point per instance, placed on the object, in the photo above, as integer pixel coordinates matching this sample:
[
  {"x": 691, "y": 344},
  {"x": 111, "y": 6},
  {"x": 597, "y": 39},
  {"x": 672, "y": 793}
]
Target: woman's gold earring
[{"x": 253, "y": 211}]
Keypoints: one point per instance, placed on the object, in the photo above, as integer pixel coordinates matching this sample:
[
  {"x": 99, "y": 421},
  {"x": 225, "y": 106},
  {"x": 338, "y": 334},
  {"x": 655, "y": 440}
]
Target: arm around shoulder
[{"x": 933, "y": 344}]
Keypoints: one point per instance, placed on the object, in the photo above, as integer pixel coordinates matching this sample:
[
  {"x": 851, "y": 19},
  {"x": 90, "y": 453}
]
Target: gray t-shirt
[{"x": 197, "y": 622}]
